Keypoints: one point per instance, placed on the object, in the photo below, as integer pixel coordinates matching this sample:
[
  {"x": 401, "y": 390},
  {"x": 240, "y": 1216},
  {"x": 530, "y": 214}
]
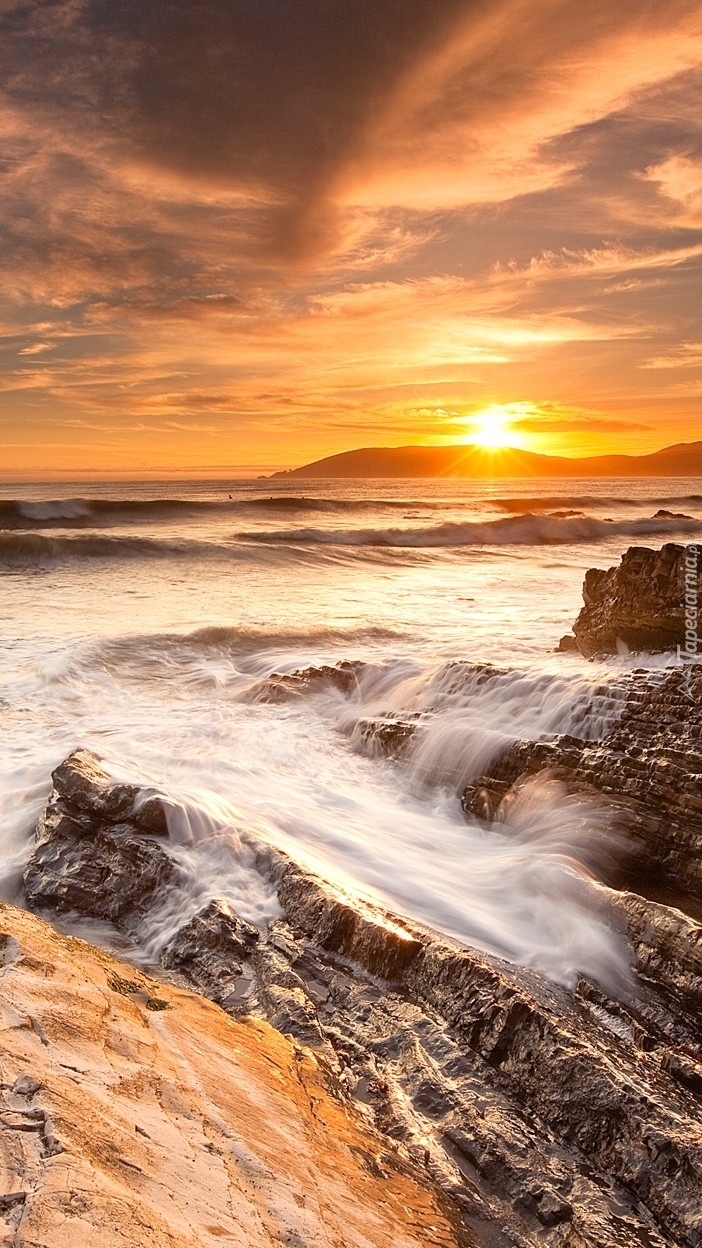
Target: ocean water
[{"x": 143, "y": 621}]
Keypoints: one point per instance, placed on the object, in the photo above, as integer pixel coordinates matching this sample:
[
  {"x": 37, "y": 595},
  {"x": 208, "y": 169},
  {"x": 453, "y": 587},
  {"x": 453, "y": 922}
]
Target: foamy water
[{"x": 141, "y": 621}]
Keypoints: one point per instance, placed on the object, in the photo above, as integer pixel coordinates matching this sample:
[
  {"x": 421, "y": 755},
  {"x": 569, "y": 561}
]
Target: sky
[{"x": 237, "y": 235}]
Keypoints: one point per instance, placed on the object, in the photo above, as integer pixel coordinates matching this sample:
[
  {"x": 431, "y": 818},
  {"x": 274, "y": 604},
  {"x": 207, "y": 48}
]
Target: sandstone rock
[
  {"x": 158, "y": 1120},
  {"x": 639, "y": 605}
]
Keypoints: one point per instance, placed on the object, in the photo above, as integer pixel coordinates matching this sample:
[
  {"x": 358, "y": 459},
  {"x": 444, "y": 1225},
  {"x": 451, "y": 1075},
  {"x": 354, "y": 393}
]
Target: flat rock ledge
[
  {"x": 135, "y": 1114},
  {"x": 544, "y": 1116}
]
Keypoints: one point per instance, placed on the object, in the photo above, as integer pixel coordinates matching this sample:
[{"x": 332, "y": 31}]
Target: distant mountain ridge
[{"x": 682, "y": 460}]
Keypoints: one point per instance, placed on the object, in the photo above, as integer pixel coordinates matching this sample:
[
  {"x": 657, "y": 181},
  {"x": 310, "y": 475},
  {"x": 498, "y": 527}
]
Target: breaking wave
[
  {"x": 527, "y": 530},
  {"x": 82, "y": 513},
  {"x": 28, "y": 548}
]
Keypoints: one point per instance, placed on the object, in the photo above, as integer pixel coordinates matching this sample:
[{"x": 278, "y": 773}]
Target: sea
[{"x": 144, "y": 621}]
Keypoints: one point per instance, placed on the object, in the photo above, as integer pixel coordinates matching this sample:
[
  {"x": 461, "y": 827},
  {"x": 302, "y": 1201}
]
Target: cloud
[
  {"x": 246, "y": 216},
  {"x": 680, "y": 181},
  {"x": 38, "y": 348},
  {"x": 687, "y": 355}
]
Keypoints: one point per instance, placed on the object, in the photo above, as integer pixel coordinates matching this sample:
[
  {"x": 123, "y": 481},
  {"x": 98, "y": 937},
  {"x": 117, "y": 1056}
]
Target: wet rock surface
[
  {"x": 94, "y": 854},
  {"x": 547, "y": 1116},
  {"x": 647, "y": 771},
  {"x": 210, "y": 949},
  {"x": 639, "y": 605},
  {"x": 282, "y": 686}
]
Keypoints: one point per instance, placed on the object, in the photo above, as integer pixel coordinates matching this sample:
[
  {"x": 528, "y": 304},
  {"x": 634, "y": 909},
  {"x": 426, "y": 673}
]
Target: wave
[
  {"x": 534, "y": 503},
  {"x": 68, "y": 513},
  {"x": 527, "y": 530},
  {"x": 34, "y": 548},
  {"x": 82, "y": 513}
]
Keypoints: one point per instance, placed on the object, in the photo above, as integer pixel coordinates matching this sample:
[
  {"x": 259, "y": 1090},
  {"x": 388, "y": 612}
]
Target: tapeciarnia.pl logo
[{"x": 691, "y": 603}]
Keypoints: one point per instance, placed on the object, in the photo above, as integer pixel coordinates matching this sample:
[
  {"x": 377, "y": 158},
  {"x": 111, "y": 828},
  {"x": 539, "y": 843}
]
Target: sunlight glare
[{"x": 491, "y": 428}]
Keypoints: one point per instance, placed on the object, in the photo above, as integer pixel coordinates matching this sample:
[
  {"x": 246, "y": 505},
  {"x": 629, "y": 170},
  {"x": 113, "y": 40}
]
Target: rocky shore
[
  {"x": 543, "y": 1115},
  {"x": 494, "y": 1105},
  {"x": 136, "y": 1114}
]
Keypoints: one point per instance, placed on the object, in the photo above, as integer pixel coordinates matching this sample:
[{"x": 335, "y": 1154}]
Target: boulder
[
  {"x": 94, "y": 853},
  {"x": 641, "y": 604}
]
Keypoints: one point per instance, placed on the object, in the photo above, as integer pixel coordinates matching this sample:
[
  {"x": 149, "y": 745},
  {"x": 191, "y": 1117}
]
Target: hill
[{"x": 682, "y": 460}]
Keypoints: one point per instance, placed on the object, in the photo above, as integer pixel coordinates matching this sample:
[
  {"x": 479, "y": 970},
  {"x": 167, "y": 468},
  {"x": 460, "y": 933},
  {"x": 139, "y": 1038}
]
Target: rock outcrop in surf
[{"x": 645, "y": 604}]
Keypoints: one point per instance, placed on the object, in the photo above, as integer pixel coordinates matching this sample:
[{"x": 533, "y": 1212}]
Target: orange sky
[{"x": 244, "y": 234}]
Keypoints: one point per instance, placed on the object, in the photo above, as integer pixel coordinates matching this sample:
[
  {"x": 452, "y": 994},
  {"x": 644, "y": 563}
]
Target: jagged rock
[
  {"x": 668, "y": 947},
  {"x": 568, "y": 644},
  {"x": 639, "y": 605},
  {"x": 282, "y": 686},
  {"x": 210, "y": 949},
  {"x": 91, "y": 854},
  {"x": 647, "y": 772},
  {"x": 85, "y": 786},
  {"x": 461, "y": 1026},
  {"x": 389, "y": 735},
  {"x": 378, "y": 941},
  {"x": 550, "y": 1118},
  {"x": 112, "y": 875}
]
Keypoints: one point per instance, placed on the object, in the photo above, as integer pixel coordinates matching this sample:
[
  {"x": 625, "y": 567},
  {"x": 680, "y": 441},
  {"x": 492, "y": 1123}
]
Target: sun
[{"x": 491, "y": 428}]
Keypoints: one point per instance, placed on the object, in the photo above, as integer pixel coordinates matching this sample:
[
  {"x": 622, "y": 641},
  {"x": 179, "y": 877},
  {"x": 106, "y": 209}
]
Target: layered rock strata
[
  {"x": 547, "y": 1116},
  {"x": 640, "y": 605},
  {"x": 647, "y": 771}
]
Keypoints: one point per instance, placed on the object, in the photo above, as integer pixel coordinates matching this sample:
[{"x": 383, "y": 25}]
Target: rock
[
  {"x": 91, "y": 854},
  {"x": 378, "y": 941},
  {"x": 646, "y": 772},
  {"x": 282, "y": 686},
  {"x": 547, "y": 1117},
  {"x": 640, "y": 605},
  {"x": 210, "y": 949},
  {"x": 388, "y": 735},
  {"x": 85, "y": 786},
  {"x": 112, "y": 875},
  {"x": 568, "y": 644},
  {"x": 184, "y": 1126},
  {"x": 664, "y": 514}
]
